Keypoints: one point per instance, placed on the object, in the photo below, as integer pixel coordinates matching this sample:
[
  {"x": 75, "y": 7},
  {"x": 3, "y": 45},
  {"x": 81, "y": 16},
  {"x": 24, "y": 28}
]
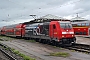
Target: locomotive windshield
[{"x": 65, "y": 25}]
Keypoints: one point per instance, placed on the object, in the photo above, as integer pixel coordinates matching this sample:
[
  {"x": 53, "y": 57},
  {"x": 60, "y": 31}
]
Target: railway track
[
  {"x": 9, "y": 56},
  {"x": 5, "y": 53},
  {"x": 79, "y": 47}
]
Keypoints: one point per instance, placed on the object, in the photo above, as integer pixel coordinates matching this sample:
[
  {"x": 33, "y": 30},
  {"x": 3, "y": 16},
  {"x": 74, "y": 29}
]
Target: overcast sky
[{"x": 17, "y": 11}]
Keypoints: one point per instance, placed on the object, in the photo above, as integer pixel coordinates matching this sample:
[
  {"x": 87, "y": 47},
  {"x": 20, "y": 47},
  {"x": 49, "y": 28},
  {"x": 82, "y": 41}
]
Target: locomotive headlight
[
  {"x": 62, "y": 35},
  {"x": 72, "y": 35}
]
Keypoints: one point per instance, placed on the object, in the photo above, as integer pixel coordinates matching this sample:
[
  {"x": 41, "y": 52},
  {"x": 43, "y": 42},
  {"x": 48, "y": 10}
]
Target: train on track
[
  {"x": 55, "y": 32},
  {"x": 81, "y": 28}
]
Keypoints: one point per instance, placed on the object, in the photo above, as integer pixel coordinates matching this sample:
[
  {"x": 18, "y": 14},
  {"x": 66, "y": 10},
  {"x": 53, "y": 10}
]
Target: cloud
[
  {"x": 84, "y": 5},
  {"x": 13, "y": 10}
]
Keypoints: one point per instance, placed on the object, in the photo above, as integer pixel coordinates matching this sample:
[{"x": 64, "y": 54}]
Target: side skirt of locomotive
[{"x": 53, "y": 41}]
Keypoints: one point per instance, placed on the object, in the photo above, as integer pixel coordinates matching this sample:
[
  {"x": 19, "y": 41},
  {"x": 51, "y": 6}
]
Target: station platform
[{"x": 82, "y": 40}]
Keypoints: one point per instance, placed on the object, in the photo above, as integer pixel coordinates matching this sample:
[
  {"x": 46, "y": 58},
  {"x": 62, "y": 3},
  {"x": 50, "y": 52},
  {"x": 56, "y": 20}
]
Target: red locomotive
[
  {"x": 82, "y": 28},
  {"x": 51, "y": 32}
]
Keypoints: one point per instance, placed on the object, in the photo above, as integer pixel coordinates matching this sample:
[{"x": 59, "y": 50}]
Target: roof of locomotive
[
  {"x": 46, "y": 18},
  {"x": 64, "y": 21}
]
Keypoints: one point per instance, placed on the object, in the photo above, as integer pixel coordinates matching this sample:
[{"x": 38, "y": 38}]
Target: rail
[
  {"x": 80, "y": 48},
  {"x": 8, "y": 55}
]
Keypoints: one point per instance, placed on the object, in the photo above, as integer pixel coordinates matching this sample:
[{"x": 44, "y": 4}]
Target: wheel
[
  {"x": 48, "y": 42},
  {"x": 40, "y": 40}
]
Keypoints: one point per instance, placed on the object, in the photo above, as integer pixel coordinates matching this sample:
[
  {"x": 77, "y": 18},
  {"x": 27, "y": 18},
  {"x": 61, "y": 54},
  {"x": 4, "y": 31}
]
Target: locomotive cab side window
[{"x": 54, "y": 27}]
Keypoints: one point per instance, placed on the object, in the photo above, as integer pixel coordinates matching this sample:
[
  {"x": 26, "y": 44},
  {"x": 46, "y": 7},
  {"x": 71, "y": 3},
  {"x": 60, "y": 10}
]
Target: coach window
[
  {"x": 84, "y": 33},
  {"x": 87, "y": 24},
  {"x": 74, "y": 25},
  {"x": 83, "y": 24},
  {"x": 76, "y": 33},
  {"x": 27, "y": 25},
  {"x": 79, "y": 24},
  {"x": 80, "y": 33}
]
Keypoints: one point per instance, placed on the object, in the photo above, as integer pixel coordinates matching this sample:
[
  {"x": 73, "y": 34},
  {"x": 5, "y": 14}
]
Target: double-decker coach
[
  {"x": 15, "y": 30},
  {"x": 81, "y": 28}
]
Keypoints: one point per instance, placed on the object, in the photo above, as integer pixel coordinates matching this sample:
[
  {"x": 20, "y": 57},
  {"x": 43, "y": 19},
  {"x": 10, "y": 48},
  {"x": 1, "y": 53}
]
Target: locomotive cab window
[{"x": 65, "y": 25}]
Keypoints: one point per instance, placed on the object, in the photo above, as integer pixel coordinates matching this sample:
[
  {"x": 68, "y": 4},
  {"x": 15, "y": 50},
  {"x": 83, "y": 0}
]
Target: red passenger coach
[
  {"x": 16, "y": 30},
  {"x": 19, "y": 30},
  {"x": 82, "y": 28},
  {"x": 2, "y": 30}
]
